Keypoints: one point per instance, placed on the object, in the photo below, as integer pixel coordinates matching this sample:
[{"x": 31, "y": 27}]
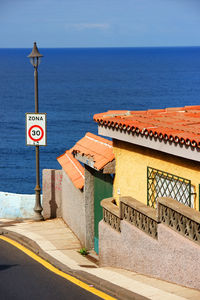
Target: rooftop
[
  {"x": 93, "y": 150},
  {"x": 96, "y": 151},
  {"x": 179, "y": 125},
  {"x": 72, "y": 168}
]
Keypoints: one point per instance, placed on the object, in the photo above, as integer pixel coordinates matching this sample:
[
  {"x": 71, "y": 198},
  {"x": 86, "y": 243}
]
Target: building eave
[
  {"x": 167, "y": 146},
  {"x": 109, "y": 168}
]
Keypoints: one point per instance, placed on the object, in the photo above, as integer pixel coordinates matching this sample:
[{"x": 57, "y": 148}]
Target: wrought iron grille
[{"x": 163, "y": 184}]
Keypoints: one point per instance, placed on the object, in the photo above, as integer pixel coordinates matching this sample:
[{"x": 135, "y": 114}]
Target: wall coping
[
  {"x": 139, "y": 206},
  {"x": 109, "y": 205},
  {"x": 180, "y": 208}
]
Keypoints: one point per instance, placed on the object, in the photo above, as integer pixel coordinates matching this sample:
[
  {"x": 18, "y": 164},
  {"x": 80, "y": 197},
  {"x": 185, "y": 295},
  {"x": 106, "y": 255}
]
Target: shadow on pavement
[{"x": 5, "y": 267}]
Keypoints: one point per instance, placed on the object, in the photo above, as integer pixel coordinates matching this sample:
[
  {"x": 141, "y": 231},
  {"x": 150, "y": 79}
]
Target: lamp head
[{"x": 35, "y": 56}]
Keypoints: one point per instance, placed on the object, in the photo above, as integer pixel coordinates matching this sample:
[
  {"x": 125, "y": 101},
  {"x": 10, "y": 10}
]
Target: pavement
[{"x": 55, "y": 242}]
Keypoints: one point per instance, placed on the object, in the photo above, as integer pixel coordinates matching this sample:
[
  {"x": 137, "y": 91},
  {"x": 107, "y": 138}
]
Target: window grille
[{"x": 163, "y": 184}]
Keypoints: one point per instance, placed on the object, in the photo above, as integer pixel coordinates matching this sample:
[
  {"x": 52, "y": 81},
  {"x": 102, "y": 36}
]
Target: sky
[{"x": 99, "y": 23}]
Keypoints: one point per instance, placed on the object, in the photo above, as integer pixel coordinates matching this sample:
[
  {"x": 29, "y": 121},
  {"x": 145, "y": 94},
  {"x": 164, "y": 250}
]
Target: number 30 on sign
[{"x": 36, "y": 129}]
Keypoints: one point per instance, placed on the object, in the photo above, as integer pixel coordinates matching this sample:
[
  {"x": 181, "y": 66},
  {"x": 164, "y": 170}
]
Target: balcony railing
[
  {"x": 183, "y": 219},
  {"x": 111, "y": 213},
  {"x": 139, "y": 215}
]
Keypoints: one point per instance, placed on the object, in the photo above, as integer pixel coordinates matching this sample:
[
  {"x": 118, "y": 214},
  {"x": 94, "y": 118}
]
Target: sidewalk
[{"x": 55, "y": 242}]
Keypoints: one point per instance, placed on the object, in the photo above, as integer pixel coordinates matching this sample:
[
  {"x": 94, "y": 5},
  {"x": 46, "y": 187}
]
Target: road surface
[{"x": 22, "y": 278}]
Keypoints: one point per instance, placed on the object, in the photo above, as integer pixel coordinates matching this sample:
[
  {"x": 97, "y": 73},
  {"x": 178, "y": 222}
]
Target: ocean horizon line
[{"x": 106, "y": 47}]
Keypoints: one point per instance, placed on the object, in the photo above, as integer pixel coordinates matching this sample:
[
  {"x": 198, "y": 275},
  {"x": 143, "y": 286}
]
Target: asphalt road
[{"x": 23, "y": 278}]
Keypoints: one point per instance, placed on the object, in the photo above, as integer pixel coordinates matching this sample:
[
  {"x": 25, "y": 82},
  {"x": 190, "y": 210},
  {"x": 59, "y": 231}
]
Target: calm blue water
[{"x": 74, "y": 84}]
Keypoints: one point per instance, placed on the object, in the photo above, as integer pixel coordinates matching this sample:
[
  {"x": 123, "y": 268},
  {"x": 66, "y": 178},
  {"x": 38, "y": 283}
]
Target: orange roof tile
[
  {"x": 99, "y": 149},
  {"x": 177, "y": 124},
  {"x": 73, "y": 168}
]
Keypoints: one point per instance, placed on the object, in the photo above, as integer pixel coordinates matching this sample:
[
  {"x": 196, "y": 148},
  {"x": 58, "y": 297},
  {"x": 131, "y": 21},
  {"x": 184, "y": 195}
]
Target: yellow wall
[{"x": 131, "y": 170}]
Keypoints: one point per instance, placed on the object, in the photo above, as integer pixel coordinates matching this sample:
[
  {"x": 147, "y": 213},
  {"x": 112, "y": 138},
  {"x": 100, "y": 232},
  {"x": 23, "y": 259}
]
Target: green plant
[{"x": 83, "y": 251}]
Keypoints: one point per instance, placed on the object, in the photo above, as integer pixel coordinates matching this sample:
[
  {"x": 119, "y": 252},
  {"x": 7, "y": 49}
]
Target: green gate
[{"x": 103, "y": 188}]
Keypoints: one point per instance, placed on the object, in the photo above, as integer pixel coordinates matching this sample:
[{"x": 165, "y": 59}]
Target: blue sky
[{"x": 99, "y": 23}]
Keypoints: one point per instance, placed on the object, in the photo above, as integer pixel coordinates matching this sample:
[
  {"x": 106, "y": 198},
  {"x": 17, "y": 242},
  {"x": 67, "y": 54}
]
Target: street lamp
[{"x": 35, "y": 58}]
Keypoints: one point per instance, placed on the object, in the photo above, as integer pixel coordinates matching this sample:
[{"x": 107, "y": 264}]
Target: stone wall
[
  {"x": 62, "y": 199},
  {"x": 72, "y": 207},
  {"x": 52, "y": 193},
  {"x": 163, "y": 243},
  {"x": 77, "y": 208}
]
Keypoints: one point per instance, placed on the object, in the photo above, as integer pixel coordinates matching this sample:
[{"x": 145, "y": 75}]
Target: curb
[{"x": 98, "y": 283}]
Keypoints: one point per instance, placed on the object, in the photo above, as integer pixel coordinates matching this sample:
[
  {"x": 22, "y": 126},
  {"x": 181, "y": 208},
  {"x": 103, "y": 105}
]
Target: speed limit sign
[{"x": 36, "y": 129}]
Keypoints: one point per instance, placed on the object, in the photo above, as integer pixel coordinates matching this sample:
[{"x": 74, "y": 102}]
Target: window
[{"x": 163, "y": 184}]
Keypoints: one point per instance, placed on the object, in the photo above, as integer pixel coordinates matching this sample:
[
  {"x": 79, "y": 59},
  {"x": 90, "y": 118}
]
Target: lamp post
[{"x": 35, "y": 58}]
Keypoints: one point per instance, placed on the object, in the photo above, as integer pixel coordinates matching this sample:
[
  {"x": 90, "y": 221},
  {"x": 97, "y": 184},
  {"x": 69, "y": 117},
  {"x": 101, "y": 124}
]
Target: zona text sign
[{"x": 36, "y": 129}]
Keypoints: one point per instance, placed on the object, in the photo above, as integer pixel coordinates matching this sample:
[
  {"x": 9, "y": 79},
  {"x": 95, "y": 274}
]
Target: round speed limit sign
[
  {"x": 36, "y": 129},
  {"x": 36, "y": 133}
]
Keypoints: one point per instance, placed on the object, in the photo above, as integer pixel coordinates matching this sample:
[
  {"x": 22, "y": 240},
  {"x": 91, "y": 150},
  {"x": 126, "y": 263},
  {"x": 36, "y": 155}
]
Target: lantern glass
[{"x": 35, "y": 61}]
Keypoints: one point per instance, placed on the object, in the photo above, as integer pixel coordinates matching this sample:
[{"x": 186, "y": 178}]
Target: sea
[{"x": 75, "y": 84}]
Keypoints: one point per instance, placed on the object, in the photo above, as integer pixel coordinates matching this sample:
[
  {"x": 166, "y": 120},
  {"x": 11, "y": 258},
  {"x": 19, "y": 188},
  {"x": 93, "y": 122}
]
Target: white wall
[{"x": 13, "y": 206}]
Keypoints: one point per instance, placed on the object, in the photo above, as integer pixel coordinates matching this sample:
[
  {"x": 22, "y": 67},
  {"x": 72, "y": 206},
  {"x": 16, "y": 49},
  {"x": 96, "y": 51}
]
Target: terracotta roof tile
[
  {"x": 177, "y": 124},
  {"x": 73, "y": 168},
  {"x": 94, "y": 147},
  {"x": 194, "y": 107}
]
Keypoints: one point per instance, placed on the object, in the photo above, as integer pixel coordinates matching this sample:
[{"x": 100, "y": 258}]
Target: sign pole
[
  {"x": 35, "y": 132},
  {"x": 38, "y": 207}
]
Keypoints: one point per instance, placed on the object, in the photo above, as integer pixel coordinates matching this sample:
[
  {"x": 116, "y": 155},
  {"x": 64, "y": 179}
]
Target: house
[
  {"x": 75, "y": 192},
  {"x": 157, "y": 153},
  {"x": 151, "y": 225}
]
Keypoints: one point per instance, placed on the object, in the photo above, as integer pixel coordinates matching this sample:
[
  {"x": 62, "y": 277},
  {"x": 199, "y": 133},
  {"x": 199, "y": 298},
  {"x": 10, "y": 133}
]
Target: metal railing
[{"x": 163, "y": 184}]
